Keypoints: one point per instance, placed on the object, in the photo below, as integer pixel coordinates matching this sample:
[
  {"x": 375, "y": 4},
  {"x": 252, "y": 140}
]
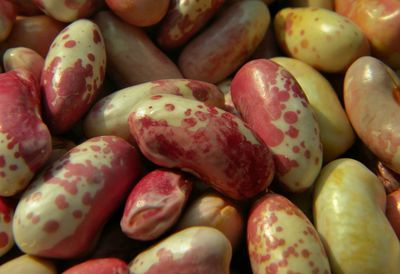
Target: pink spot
[
  {"x": 2, "y": 161},
  {"x": 96, "y": 37},
  {"x": 284, "y": 164},
  {"x": 274, "y": 137},
  {"x": 35, "y": 219},
  {"x": 156, "y": 97},
  {"x": 51, "y": 226},
  {"x": 279, "y": 229},
  {"x": 3, "y": 239},
  {"x": 292, "y": 132},
  {"x": 188, "y": 112},
  {"x": 77, "y": 214},
  {"x": 70, "y": 44},
  {"x": 169, "y": 107},
  {"x": 61, "y": 202},
  {"x": 290, "y": 117},
  {"x": 13, "y": 167},
  {"x": 91, "y": 57},
  {"x": 296, "y": 149},
  {"x": 87, "y": 199},
  {"x": 307, "y": 154},
  {"x": 305, "y": 253},
  {"x": 189, "y": 122},
  {"x": 65, "y": 36},
  {"x": 95, "y": 148}
]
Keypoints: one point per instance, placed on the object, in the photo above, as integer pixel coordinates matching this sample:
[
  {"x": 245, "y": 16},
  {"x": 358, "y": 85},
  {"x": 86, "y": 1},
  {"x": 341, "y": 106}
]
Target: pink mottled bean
[
  {"x": 132, "y": 56},
  {"x": 25, "y": 141},
  {"x": 67, "y": 10},
  {"x": 24, "y": 58},
  {"x": 99, "y": 266},
  {"x": 7, "y": 18},
  {"x": 273, "y": 104},
  {"x": 281, "y": 239},
  {"x": 184, "y": 19},
  {"x": 141, "y": 13},
  {"x": 73, "y": 73},
  {"x": 110, "y": 115},
  {"x": 372, "y": 98},
  {"x": 6, "y": 235},
  {"x": 217, "y": 211},
  {"x": 155, "y": 204},
  {"x": 227, "y": 43},
  {"x": 190, "y": 251},
  {"x": 69, "y": 202},
  {"x": 211, "y": 143}
]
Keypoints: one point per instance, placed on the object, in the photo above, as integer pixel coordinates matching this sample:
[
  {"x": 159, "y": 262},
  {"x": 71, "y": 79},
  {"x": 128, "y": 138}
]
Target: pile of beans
[{"x": 199, "y": 136}]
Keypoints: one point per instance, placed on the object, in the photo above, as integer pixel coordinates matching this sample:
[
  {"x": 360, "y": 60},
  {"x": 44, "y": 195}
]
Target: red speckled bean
[
  {"x": 155, "y": 204},
  {"x": 191, "y": 251},
  {"x": 99, "y": 266},
  {"x": 281, "y": 239},
  {"x": 73, "y": 73},
  {"x": 27, "y": 31},
  {"x": 7, "y": 18},
  {"x": 184, "y": 19},
  {"x": 227, "y": 43},
  {"x": 24, "y": 58},
  {"x": 132, "y": 56},
  {"x": 110, "y": 115},
  {"x": 140, "y": 13},
  {"x": 6, "y": 236},
  {"x": 67, "y": 10},
  {"x": 25, "y": 141},
  {"x": 217, "y": 146},
  {"x": 69, "y": 202},
  {"x": 393, "y": 211},
  {"x": 273, "y": 104},
  {"x": 372, "y": 98}
]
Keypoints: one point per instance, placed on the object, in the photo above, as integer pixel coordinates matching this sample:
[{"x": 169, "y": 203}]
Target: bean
[
  {"x": 6, "y": 234},
  {"x": 7, "y": 18},
  {"x": 69, "y": 202},
  {"x": 349, "y": 204},
  {"x": 99, "y": 266},
  {"x": 28, "y": 264},
  {"x": 155, "y": 204},
  {"x": 393, "y": 211},
  {"x": 73, "y": 72},
  {"x": 273, "y": 105},
  {"x": 211, "y": 143}
]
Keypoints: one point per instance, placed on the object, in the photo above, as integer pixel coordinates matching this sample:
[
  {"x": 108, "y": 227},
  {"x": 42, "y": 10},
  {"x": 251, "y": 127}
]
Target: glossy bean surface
[{"x": 99, "y": 266}]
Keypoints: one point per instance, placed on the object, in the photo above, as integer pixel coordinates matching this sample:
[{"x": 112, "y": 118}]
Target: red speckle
[
  {"x": 307, "y": 154},
  {"x": 61, "y": 202},
  {"x": 95, "y": 148},
  {"x": 296, "y": 149},
  {"x": 51, "y": 226},
  {"x": 156, "y": 97},
  {"x": 304, "y": 43},
  {"x": 302, "y": 32},
  {"x": 292, "y": 132},
  {"x": 87, "y": 199},
  {"x": 188, "y": 112},
  {"x": 77, "y": 214},
  {"x": 3, "y": 239},
  {"x": 279, "y": 229},
  {"x": 305, "y": 253},
  {"x": 35, "y": 219},
  {"x": 271, "y": 268},
  {"x": 189, "y": 122},
  {"x": 13, "y": 167},
  {"x": 169, "y": 107},
  {"x": 284, "y": 164},
  {"x": 70, "y": 44},
  {"x": 66, "y": 36},
  {"x": 290, "y": 117},
  {"x": 274, "y": 137},
  {"x": 91, "y": 57},
  {"x": 96, "y": 37},
  {"x": 2, "y": 161}
]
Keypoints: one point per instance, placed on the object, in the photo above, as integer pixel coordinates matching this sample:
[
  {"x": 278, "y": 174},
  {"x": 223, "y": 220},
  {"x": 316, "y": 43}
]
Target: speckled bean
[
  {"x": 24, "y": 58},
  {"x": 273, "y": 104},
  {"x": 6, "y": 235},
  {"x": 27, "y": 31},
  {"x": 393, "y": 211},
  {"x": 73, "y": 72},
  {"x": 132, "y": 57},
  {"x": 281, "y": 239},
  {"x": 99, "y": 266},
  {"x": 66, "y": 10},
  {"x": 25, "y": 141},
  {"x": 336, "y": 133},
  {"x": 190, "y": 251},
  {"x": 211, "y": 143},
  {"x": 68, "y": 203},
  {"x": 155, "y": 204},
  {"x": 214, "y": 210},
  {"x": 141, "y": 13},
  {"x": 184, "y": 19},
  {"x": 227, "y": 43},
  {"x": 110, "y": 115},
  {"x": 349, "y": 204},
  {"x": 320, "y": 37},
  {"x": 28, "y": 264},
  {"x": 372, "y": 98},
  {"x": 7, "y": 19}
]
